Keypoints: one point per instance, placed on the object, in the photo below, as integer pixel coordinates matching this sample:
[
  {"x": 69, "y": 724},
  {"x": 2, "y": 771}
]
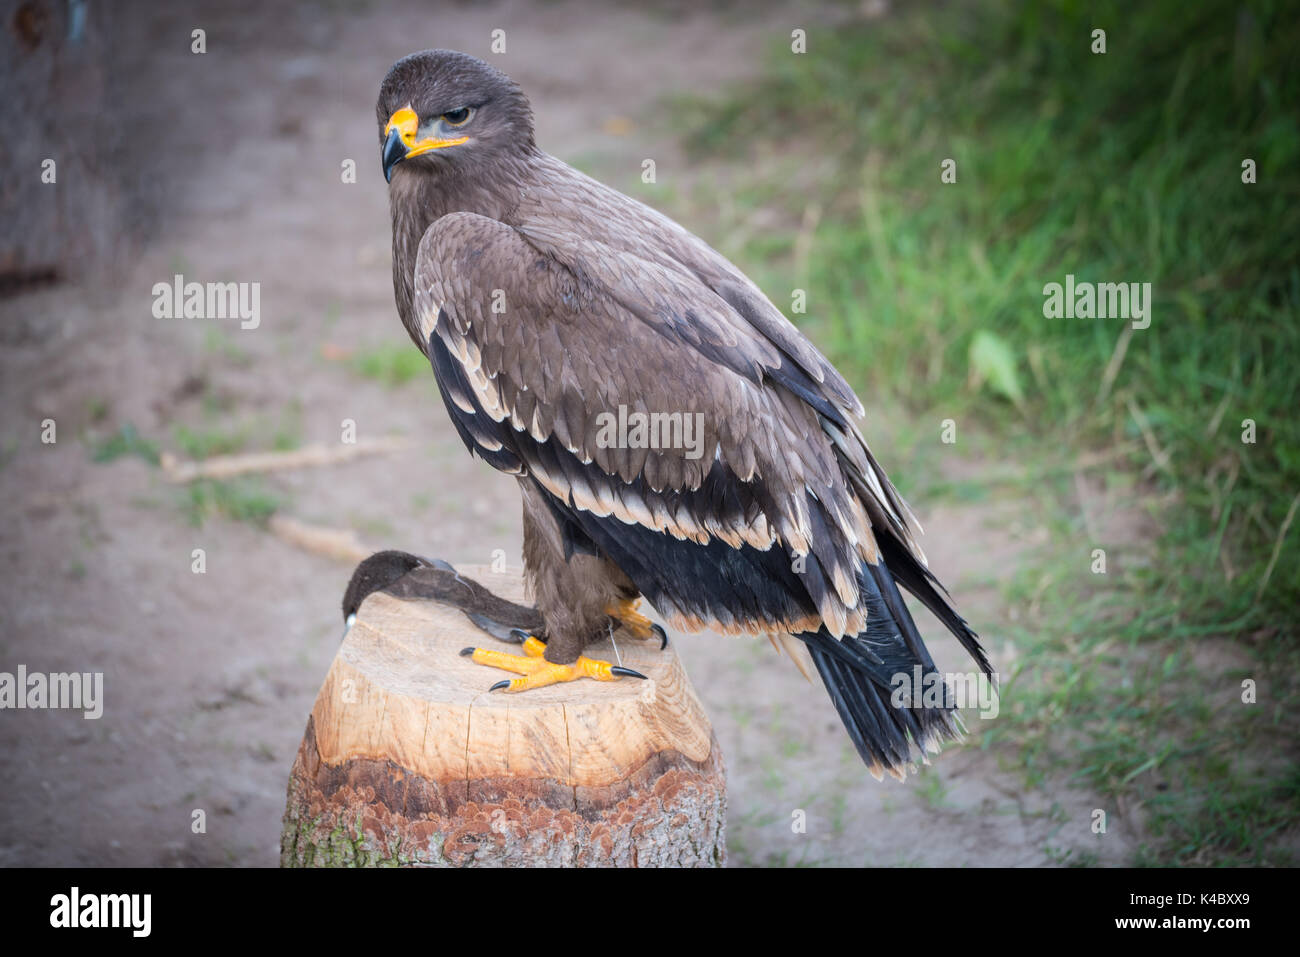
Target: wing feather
[{"x": 592, "y": 335}]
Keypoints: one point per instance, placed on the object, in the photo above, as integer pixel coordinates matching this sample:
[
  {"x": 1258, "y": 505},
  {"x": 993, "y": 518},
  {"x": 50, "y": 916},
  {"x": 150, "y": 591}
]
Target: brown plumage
[{"x": 551, "y": 307}]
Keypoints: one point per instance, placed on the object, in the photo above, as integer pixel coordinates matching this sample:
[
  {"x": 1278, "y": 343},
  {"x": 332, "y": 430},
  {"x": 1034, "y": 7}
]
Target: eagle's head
[{"x": 440, "y": 111}]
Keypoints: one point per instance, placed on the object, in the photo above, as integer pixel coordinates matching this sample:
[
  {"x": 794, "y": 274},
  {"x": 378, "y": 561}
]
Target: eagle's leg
[
  {"x": 624, "y": 615},
  {"x": 537, "y": 672},
  {"x": 576, "y": 589}
]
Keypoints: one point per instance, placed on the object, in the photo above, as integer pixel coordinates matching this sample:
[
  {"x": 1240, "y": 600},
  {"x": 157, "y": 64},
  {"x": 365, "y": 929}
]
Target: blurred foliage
[
  {"x": 1123, "y": 166},
  {"x": 1117, "y": 167},
  {"x": 243, "y": 499},
  {"x": 125, "y": 441},
  {"x": 392, "y": 364}
]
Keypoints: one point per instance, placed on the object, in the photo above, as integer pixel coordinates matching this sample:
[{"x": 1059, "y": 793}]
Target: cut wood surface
[{"x": 408, "y": 759}]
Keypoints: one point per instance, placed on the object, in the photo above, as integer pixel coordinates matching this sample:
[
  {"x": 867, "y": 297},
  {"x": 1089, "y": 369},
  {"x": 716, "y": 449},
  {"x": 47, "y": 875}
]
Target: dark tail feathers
[{"x": 891, "y": 722}]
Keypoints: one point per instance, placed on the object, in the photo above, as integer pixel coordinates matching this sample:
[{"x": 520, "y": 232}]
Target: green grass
[
  {"x": 204, "y": 442},
  {"x": 244, "y": 499},
  {"x": 220, "y": 434},
  {"x": 1124, "y": 166},
  {"x": 241, "y": 499},
  {"x": 392, "y": 364},
  {"x": 125, "y": 441}
]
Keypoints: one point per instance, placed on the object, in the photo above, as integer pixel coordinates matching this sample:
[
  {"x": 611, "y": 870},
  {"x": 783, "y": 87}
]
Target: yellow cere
[{"x": 406, "y": 122}]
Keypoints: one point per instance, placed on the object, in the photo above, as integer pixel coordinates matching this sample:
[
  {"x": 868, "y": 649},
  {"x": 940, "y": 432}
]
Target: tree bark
[{"x": 408, "y": 760}]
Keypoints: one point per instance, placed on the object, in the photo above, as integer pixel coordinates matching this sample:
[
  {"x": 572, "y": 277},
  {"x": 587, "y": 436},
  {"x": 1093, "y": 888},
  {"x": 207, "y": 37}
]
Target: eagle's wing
[
  {"x": 538, "y": 361},
  {"x": 776, "y": 519}
]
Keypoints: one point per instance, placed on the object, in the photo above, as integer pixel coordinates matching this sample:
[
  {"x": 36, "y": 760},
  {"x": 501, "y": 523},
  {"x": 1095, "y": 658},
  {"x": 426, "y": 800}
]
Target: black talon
[
  {"x": 663, "y": 635},
  {"x": 466, "y": 652},
  {"x": 500, "y": 684},
  {"x": 519, "y": 636},
  {"x": 626, "y": 672}
]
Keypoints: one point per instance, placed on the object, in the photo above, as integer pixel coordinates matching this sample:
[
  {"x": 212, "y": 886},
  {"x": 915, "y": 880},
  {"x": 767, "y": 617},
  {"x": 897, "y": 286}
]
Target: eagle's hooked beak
[
  {"x": 394, "y": 152},
  {"x": 400, "y": 140}
]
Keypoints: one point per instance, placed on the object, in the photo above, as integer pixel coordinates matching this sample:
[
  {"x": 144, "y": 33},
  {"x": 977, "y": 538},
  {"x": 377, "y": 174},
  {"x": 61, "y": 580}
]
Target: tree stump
[{"x": 408, "y": 760}]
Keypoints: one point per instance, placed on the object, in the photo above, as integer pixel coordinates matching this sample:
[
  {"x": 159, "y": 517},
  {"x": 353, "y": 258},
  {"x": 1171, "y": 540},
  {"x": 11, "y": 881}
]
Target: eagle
[{"x": 674, "y": 437}]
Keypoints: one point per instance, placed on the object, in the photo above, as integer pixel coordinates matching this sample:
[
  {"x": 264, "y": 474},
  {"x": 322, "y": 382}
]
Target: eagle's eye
[{"x": 458, "y": 117}]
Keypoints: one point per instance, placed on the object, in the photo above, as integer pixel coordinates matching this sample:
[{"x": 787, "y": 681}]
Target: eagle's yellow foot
[
  {"x": 625, "y": 613},
  {"x": 538, "y": 672}
]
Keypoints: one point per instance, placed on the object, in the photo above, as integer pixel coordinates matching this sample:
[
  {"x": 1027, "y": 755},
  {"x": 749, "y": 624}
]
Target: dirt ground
[{"x": 209, "y": 678}]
